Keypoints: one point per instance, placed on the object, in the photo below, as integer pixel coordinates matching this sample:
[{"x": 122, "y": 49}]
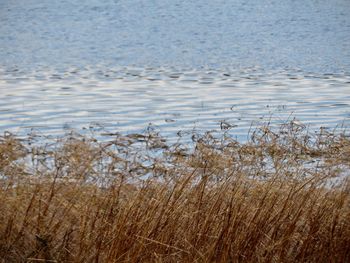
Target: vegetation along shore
[{"x": 282, "y": 196}]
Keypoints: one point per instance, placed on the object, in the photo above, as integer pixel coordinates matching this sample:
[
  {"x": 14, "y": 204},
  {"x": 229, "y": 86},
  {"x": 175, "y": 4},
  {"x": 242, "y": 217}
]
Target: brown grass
[{"x": 136, "y": 198}]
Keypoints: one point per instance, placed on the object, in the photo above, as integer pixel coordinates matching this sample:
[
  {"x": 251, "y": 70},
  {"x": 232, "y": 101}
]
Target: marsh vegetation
[{"x": 282, "y": 196}]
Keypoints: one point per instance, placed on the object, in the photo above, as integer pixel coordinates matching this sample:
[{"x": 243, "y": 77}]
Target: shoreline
[{"x": 273, "y": 198}]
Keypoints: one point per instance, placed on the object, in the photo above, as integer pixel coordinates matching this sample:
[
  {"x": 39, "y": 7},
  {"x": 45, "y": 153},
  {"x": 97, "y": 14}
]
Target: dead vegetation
[{"x": 283, "y": 196}]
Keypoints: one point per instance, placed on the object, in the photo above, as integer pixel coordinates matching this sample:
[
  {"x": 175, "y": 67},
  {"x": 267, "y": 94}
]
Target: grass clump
[{"x": 283, "y": 196}]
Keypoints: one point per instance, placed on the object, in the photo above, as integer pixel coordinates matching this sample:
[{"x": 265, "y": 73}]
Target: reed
[{"x": 283, "y": 196}]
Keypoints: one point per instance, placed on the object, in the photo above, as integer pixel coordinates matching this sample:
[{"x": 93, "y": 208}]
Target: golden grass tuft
[{"x": 283, "y": 196}]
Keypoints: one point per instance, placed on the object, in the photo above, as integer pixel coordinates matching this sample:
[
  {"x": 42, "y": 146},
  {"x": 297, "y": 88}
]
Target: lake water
[{"x": 180, "y": 65}]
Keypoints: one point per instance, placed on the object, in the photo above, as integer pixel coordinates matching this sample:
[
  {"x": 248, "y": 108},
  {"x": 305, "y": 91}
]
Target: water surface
[
  {"x": 180, "y": 65},
  {"x": 129, "y": 99},
  {"x": 310, "y": 35}
]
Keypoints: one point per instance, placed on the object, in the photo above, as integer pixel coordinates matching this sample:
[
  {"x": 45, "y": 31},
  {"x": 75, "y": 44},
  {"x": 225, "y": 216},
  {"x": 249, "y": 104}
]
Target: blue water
[
  {"x": 180, "y": 65},
  {"x": 311, "y": 35}
]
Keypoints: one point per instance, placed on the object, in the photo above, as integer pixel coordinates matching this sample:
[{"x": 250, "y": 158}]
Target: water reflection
[{"x": 128, "y": 99}]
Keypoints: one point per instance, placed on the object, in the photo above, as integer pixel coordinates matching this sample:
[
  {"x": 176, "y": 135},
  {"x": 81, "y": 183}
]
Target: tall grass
[{"x": 280, "y": 197}]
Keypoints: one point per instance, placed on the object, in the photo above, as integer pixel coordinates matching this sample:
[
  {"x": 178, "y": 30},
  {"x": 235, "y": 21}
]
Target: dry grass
[{"x": 138, "y": 199}]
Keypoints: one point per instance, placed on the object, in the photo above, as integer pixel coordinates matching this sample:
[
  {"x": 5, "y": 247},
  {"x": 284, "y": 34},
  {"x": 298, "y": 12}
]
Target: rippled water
[
  {"x": 312, "y": 35},
  {"x": 128, "y": 99},
  {"x": 120, "y": 65}
]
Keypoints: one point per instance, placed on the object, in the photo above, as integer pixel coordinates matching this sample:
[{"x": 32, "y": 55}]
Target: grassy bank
[{"x": 280, "y": 197}]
